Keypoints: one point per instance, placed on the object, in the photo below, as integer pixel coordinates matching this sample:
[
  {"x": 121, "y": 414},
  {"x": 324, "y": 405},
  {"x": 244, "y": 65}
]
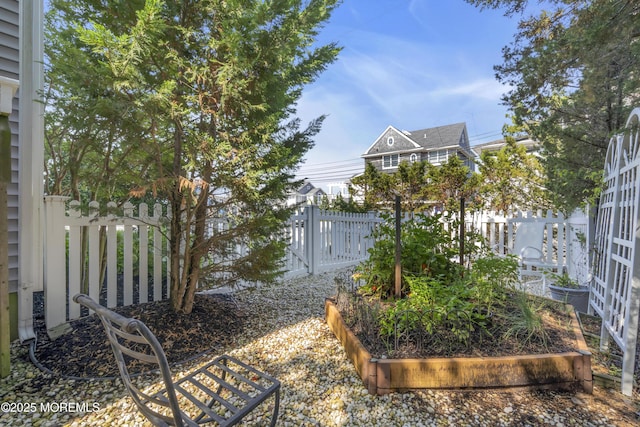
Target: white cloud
[{"x": 412, "y": 79}]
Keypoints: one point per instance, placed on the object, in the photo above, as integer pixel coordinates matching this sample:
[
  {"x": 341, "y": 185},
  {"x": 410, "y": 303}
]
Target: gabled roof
[
  {"x": 439, "y": 137},
  {"x": 306, "y": 188},
  {"x": 385, "y": 132},
  {"x": 419, "y": 140}
]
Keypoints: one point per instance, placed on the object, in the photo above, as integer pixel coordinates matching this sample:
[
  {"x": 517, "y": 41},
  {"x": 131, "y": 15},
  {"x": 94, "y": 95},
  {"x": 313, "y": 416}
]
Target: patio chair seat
[
  {"x": 222, "y": 392},
  {"x": 527, "y": 247}
]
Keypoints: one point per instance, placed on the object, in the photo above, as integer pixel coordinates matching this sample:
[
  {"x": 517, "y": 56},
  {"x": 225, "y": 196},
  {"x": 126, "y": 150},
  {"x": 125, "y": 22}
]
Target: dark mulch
[{"x": 213, "y": 325}]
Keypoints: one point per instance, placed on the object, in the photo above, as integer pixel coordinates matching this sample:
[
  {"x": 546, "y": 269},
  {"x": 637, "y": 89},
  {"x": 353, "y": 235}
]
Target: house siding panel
[{"x": 10, "y": 67}]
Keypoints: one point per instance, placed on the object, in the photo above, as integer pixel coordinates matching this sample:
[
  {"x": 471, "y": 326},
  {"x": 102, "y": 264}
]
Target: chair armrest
[{"x": 530, "y": 253}]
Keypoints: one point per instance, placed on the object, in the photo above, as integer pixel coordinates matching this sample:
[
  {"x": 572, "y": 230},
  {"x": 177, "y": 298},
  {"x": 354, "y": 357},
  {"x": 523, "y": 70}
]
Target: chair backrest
[
  {"x": 529, "y": 239},
  {"x": 131, "y": 341}
]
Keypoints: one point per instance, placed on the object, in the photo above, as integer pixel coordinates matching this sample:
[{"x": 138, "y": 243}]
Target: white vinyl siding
[{"x": 9, "y": 67}]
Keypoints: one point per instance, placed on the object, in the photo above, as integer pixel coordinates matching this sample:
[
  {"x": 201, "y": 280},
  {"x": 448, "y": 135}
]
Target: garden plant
[{"x": 446, "y": 309}]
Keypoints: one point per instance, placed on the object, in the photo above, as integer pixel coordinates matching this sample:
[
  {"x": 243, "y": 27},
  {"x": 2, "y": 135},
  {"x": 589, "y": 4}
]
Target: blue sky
[{"x": 412, "y": 64}]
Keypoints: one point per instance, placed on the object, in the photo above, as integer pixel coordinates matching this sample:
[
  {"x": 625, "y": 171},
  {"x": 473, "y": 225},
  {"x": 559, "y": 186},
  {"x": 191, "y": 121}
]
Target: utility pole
[{"x": 8, "y": 89}]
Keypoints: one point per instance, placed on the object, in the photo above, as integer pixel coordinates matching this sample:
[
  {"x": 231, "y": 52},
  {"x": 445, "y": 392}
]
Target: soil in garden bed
[
  {"x": 607, "y": 362},
  {"x": 215, "y": 321},
  {"x": 555, "y": 321}
]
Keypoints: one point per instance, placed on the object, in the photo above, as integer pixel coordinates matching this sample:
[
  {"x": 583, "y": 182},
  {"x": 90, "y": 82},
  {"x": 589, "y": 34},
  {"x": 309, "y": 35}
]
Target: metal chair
[
  {"x": 527, "y": 248},
  {"x": 223, "y": 391}
]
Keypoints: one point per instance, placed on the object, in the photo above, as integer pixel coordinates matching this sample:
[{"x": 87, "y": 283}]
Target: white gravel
[{"x": 288, "y": 338}]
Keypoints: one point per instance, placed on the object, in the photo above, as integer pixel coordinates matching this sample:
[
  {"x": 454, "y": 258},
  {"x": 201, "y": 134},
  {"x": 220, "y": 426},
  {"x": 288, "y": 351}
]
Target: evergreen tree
[
  {"x": 573, "y": 73},
  {"x": 376, "y": 187},
  {"x": 201, "y": 96},
  {"x": 450, "y": 182},
  {"x": 420, "y": 186},
  {"x": 512, "y": 179}
]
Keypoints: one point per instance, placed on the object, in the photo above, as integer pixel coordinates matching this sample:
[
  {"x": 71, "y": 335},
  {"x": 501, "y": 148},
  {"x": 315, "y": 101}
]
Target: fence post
[
  {"x": 577, "y": 244},
  {"x": 75, "y": 258},
  {"x": 55, "y": 291},
  {"x": 312, "y": 238}
]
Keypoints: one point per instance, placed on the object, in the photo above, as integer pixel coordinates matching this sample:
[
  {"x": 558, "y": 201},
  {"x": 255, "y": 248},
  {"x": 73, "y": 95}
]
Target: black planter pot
[{"x": 578, "y": 298}]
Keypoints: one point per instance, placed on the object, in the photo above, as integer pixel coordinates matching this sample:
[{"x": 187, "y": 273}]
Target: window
[
  {"x": 390, "y": 161},
  {"x": 413, "y": 158},
  {"x": 390, "y": 141},
  {"x": 440, "y": 156},
  {"x": 433, "y": 156},
  {"x": 443, "y": 156}
]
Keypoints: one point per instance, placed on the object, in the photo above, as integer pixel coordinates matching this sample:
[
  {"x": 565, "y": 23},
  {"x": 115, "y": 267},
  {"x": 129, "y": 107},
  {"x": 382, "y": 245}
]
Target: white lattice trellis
[{"x": 615, "y": 293}]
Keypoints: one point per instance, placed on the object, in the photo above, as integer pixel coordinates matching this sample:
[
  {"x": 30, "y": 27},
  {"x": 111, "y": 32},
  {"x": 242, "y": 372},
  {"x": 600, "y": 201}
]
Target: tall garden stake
[
  {"x": 462, "y": 231},
  {"x": 8, "y": 89},
  {"x": 398, "y": 276}
]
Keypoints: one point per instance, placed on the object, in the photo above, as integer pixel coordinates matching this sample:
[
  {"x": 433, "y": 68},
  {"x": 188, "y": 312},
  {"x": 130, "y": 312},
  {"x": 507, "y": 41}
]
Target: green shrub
[
  {"x": 427, "y": 250},
  {"x": 439, "y": 295},
  {"x": 435, "y": 306}
]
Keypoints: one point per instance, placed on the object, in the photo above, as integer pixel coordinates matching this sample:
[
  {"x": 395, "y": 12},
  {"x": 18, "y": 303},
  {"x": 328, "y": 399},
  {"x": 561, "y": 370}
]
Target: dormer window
[{"x": 390, "y": 141}]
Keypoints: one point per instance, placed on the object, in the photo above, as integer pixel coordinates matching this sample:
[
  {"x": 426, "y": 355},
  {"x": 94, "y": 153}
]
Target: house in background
[
  {"x": 434, "y": 145},
  {"x": 532, "y": 147},
  {"x": 339, "y": 189},
  {"x": 308, "y": 194},
  {"x": 21, "y": 58}
]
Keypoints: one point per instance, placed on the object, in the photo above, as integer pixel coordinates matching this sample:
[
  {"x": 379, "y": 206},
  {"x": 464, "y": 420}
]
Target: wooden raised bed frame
[{"x": 570, "y": 370}]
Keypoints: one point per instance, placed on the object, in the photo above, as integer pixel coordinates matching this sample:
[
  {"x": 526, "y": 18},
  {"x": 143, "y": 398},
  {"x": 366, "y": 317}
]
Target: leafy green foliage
[
  {"x": 458, "y": 304},
  {"x": 427, "y": 250},
  {"x": 441, "y": 298},
  {"x": 434, "y": 305},
  {"x": 193, "y": 102},
  {"x": 572, "y": 70}
]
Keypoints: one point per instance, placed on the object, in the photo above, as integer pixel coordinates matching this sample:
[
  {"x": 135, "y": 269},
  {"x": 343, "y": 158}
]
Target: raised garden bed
[
  {"x": 607, "y": 367},
  {"x": 567, "y": 370}
]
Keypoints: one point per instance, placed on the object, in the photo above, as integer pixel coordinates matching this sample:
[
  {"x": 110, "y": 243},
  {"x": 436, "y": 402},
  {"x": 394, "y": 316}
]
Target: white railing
[{"x": 564, "y": 242}]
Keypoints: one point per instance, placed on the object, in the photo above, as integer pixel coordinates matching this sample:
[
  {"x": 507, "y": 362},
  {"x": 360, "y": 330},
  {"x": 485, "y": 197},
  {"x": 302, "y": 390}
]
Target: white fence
[
  {"x": 321, "y": 241},
  {"x": 64, "y": 270},
  {"x": 136, "y": 249},
  {"x": 565, "y": 240},
  {"x": 615, "y": 294}
]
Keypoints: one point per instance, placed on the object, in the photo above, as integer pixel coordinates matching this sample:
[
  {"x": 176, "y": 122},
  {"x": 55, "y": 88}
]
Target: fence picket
[
  {"x": 157, "y": 254},
  {"x": 55, "y": 291},
  {"x": 127, "y": 256},
  {"x": 143, "y": 254}
]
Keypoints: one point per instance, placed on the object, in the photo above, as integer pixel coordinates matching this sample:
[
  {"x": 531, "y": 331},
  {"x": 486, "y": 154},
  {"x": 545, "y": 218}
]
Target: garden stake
[
  {"x": 462, "y": 231},
  {"x": 398, "y": 250}
]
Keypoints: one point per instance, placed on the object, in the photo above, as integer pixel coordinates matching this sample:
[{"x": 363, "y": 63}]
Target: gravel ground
[{"x": 289, "y": 339}]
